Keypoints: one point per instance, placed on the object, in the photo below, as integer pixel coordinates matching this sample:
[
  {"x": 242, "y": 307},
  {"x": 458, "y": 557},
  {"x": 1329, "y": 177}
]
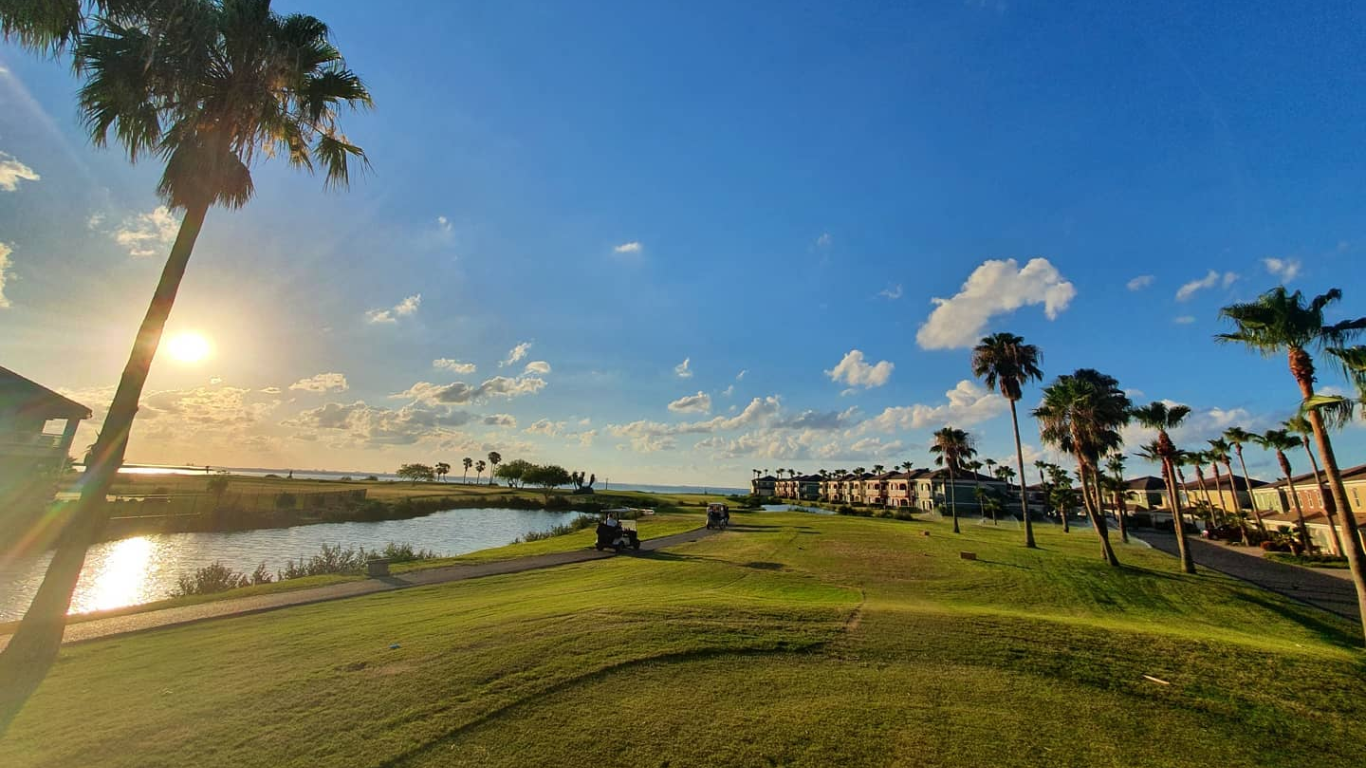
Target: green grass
[{"x": 790, "y": 640}]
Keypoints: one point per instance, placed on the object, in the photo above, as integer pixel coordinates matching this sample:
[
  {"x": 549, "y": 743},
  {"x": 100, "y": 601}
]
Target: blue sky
[{"x": 766, "y": 189}]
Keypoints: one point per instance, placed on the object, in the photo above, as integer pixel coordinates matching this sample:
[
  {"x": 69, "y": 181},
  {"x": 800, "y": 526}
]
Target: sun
[{"x": 188, "y": 347}]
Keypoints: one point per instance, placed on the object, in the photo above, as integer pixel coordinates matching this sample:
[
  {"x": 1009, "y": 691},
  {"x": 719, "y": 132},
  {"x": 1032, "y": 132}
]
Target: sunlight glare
[{"x": 188, "y": 347}]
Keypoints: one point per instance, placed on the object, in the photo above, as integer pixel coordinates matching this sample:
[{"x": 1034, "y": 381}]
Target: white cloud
[
  {"x": 1285, "y": 269},
  {"x": 728, "y": 391},
  {"x": 12, "y": 172},
  {"x": 546, "y": 427},
  {"x": 1202, "y": 424},
  {"x": 1184, "y": 319},
  {"x": 500, "y": 420},
  {"x": 443, "y": 225},
  {"x": 650, "y": 436},
  {"x": 148, "y": 234},
  {"x": 825, "y": 240},
  {"x": 1140, "y": 282},
  {"x": 684, "y": 369},
  {"x": 741, "y": 375},
  {"x": 460, "y": 393},
  {"x": 5, "y": 264},
  {"x": 537, "y": 366},
  {"x": 891, "y": 292},
  {"x": 95, "y": 220},
  {"x": 852, "y": 370},
  {"x": 698, "y": 403},
  {"x": 454, "y": 366},
  {"x": 967, "y": 403},
  {"x": 1210, "y": 280},
  {"x": 361, "y": 424},
  {"x": 632, "y": 247},
  {"x": 994, "y": 288},
  {"x": 323, "y": 382},
  {"x": 404, "y": 308},
  {"x": 516, "y": 354}
]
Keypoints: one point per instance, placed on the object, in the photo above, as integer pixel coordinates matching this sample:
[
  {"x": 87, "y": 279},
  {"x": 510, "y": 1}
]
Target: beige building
[{"x": 1279, "y": 512}]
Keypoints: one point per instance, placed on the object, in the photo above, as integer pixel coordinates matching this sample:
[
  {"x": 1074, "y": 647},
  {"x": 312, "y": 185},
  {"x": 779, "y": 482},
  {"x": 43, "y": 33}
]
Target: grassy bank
[{"x": 790, "y": 640}]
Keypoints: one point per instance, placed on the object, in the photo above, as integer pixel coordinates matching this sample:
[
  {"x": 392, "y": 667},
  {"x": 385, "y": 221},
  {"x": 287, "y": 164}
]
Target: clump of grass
[
  {"x": 332, "y": 559},
  {"x": 219, "y": 578},
  {"x": 577, "y": 524}
]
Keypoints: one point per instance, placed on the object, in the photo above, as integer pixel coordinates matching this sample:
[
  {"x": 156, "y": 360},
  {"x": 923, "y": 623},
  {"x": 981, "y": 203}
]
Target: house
[
  {"x": 1220, "y": 497},
  {"x": 1279, "y": 511},
  {"x": 1144, "y": 493},
  {"x": 764, "y": 486},
  {"x": 37, "y": 427}
]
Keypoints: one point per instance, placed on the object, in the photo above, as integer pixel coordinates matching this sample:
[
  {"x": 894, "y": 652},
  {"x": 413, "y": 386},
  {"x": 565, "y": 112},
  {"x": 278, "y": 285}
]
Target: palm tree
[
  {"x": 479, "y": 467},
  {"x": 441, "y": 469},
  {"x": 951, "y": 446},
  {"x": 1197, "y": 460},
  {"x": 1280, "y": 441},
  {"x": 1279, "y": 322},
  {"x": 1299, "y": 425},
  {"x": 974, "y": 467},
  {"x": 208, "y": 87},
  {"x": 1219, "y": 454},
  {"x": 1162, "y": 417},
  {"x": 1116, "y": 466},
  {"x": 1082, "y": 413},
  {"x": 1235, "y": 437},
  {"x": 1041, "y": 466},
  {"x": 495, "y": 458},
  {"x": 1003, "y": 360},
  {"x": 468, "y": 462}
]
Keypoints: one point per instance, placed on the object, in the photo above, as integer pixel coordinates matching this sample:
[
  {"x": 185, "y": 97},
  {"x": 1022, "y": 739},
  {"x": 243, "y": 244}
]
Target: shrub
[
  {"x": 219, "y": 578},
  {"x": 859, "y": 512},
  {"x": 1311, "y": 561},
  {"x": 577, "y": 524},
  {"x": 372, "y": 478},
  {"x": 904, "y": 513}
]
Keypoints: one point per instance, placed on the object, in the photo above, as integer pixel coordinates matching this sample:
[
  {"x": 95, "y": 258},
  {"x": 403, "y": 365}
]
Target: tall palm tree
[
  {"x": 1041, "y": 466},
  {"x": 974, "y": 466},
  {"x": 1081, "y": 414},
  {"x": 1280, "y": 322},
  {"x": 1004, "y": 360},
  {"x": 1115, "y": 464},
  {"x": 1279, "y": 441},
  {"x": 441, "y": 469},
  {"x": 1197, "y": 461},
  {"x": 1235, "y": 437},
  {"x": 495, "y": 458},
  {"x": 1162, "y": 417},
  {"x": 208, "y": 88},
  {"x": 1219, "y": 453},
  {"x": 468, "y": 462},
  {"x": 950, "y": 447},
  {"x": 479, "y": 467},
  {"x": 1299, "y": 425}
]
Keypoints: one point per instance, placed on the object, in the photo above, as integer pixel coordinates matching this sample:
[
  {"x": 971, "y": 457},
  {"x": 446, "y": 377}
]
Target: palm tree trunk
[
  {"x": 953, "y": 498},
  {"x": 1107, "y": 552},
  {"x": 1024, "y": 496},
  {"x": 1356, "y": 558},
  {"x": 1247, "y": 483},
  {"x": 1329, "y": 508},
  {"x": 33, "y": 649},
  {"x": 1299, "y": 512},
  {"x": 1178, "y": 521},
  {"x": 1200, "y": 475},
  {"x": 1123, "y": 513}
]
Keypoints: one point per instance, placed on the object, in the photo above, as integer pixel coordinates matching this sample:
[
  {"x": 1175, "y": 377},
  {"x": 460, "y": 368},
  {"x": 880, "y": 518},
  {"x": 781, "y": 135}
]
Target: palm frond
[{"x": 1335, "y": 410}]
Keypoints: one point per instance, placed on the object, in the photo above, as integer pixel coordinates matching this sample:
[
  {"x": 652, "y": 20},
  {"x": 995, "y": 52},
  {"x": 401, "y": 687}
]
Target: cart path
[
  {"x": 189, "y": 614},
  {"x": 1324, "y": 589}
]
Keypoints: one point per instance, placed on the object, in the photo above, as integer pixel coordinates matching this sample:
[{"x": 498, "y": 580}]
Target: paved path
[
  {"x": 166, "y": 617},
  {"x": 1326, "y": 588}
]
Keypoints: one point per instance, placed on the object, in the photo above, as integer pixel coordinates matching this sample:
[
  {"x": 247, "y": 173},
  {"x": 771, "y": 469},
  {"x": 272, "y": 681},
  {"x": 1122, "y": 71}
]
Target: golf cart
[
  {"x": 619, "y": 537},
  {"x": 718, "y": 516}
]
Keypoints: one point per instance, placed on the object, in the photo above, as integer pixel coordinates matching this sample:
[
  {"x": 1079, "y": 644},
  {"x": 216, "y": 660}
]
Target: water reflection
[{"x": 145, "y": 568}]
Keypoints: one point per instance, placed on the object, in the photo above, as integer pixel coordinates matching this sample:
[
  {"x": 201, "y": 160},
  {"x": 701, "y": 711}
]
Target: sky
[{"x": 672, "y": 242}]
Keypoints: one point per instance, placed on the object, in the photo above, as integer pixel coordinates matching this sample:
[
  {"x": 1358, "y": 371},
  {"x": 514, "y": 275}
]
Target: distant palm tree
[
  {"x": 1115, "y": 464},
  {"x": 208, "y": 88},
  {"x": 468, "y": 462},
  {"x": 951, "y": 446},
  {"x": 1082, "y": 414},
  {"x": 1042, "y": 467},
  {"x": 1299, "y": 425},
  {"x": 1219, "y": 454},
  {"x": 495, "y": 458},
  {"x": 441, "y": 469},
  {"x": 1280, "y": 441},
  {"x": 974, "y": 467},
  {"x": 1004, "y": 360},
  {"x": 1280, "y": 322},
  {"x": 1235, "y": 437},
  {"x": 1162, "y": 417},
  {"x": 1197, "y": 460},
  {"x": 479, "y": 467}
]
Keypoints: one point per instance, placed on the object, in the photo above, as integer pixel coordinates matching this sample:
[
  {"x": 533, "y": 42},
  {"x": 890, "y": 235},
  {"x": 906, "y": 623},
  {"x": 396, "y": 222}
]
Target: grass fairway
[{"x": 790, "y": 640}]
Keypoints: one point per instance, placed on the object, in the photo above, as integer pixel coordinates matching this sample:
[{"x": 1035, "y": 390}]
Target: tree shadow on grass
[{"x": 1312, "y": 618}]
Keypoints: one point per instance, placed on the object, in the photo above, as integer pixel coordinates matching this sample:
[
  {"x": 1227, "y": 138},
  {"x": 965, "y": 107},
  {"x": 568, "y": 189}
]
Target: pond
[{"x": 143, "y": 569}]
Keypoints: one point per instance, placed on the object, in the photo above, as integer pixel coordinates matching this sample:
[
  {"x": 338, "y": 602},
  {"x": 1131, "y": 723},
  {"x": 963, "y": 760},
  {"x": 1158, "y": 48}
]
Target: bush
[
  {"x": 577, "y": 524},
  {"x": 848, "y": 510},
  {"x": 333, "y": 559},
  {"x": 219, "y": 578},
  {"x": 1311, "y": 561},
  {"x": 371, "y": 478},
  {"x": 904, "y": 513}
]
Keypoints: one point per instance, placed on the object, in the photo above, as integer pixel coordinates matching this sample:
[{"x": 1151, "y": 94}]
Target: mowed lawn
[{"x": 789, "y": 640}]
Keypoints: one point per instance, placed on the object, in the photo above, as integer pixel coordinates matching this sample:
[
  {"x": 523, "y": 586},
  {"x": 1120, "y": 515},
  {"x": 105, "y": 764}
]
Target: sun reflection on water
[{"x": 118, "y": 576}]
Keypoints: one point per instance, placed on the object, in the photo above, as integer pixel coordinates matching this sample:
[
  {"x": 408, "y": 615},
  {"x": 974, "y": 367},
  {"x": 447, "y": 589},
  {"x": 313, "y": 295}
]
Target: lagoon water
[{"x": 142, "y": 569}]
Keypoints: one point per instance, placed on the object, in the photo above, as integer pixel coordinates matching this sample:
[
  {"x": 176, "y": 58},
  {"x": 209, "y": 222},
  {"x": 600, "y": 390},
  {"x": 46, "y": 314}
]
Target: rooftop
[{"x": 31, "y": 400}]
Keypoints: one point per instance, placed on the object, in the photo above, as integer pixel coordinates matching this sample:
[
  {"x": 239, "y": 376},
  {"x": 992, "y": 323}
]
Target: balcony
[{"x": 29, "y": 445}]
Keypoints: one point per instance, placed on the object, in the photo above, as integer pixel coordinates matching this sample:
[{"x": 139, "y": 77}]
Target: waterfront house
[
  {"x": 1279, "y": 512},
  {"x": 37, "y": 427}
]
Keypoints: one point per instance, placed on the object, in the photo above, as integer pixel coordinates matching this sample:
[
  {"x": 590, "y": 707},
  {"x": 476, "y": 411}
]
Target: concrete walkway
[
  {"x": 189, "y": 614},
  {"x": 1332, "y": 591}
]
